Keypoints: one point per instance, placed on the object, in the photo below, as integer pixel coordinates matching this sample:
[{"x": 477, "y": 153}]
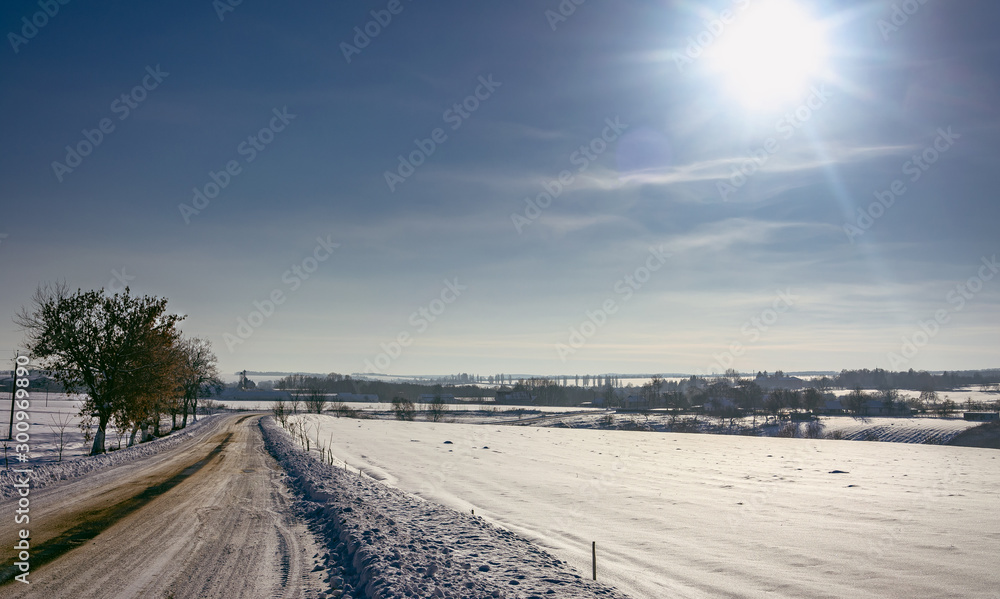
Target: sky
[{"x": 535, "y": 187}]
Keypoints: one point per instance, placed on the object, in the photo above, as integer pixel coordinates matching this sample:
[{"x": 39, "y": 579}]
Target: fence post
[{"x": 593, "y": 551}]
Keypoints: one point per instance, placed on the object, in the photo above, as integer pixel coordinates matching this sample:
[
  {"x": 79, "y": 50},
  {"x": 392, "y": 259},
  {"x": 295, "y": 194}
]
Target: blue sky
[{"x": 652, "y": 256}]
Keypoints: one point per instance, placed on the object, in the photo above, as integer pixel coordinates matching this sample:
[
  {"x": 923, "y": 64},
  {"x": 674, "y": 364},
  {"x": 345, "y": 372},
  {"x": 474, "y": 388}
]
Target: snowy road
[{"x": 210, "y": 519}]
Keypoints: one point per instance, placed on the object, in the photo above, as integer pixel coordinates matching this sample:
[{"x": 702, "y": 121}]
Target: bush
[
  {"x": 814, "y": 430},
  {"x": 789, "y": 430},
  {"x": 403, "y": 408},
  {"x": 835, "y": 435},
  {"x": 280, "y": 412},
  {"x": 315, "y": 402},
  {"x": 436, "y": 409},
  {"x": 341, "y": 410}
]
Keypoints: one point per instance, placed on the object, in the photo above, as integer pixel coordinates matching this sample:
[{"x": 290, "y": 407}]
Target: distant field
[{"x": 896, "y": 430}]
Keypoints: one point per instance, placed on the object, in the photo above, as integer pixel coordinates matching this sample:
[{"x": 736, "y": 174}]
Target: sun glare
[{"x": 769, "y": 54}]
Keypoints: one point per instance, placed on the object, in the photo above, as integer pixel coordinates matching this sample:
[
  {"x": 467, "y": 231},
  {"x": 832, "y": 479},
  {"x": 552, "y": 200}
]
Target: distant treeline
[
  {"x": 913, "y": 380},
  {"x": 339, "y": 383},
  {"x": 559, "y": 392}
]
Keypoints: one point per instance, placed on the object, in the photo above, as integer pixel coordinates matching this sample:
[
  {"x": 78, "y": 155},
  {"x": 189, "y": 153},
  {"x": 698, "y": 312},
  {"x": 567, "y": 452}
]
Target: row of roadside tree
[{"x": 124, "y": 352}]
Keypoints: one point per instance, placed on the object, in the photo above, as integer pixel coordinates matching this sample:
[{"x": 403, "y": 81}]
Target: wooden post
[{"x": 593, "y": 551}]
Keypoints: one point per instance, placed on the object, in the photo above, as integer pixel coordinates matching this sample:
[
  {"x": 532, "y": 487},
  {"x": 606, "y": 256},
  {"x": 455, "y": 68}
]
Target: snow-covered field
[
  {"x": 678, "y": 515},
  {"x": 383, "y": 543},
  {"x": 51, "y": 415},
  {"x": 54, "y": 420},
  {"x": 897, "y": 430},
  {"x": 929, "y": 430}
]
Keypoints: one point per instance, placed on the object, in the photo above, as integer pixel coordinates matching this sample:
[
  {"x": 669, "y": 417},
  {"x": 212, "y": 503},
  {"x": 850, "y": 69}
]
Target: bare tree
[
  {"x": 403, "y": 408},
  {"x": 199, "y": 375},
  {"x": 280, "y": 412},
  {"x": 436, "y": 409},
  {"x": 60, "y": 422},
  {"x": 857, "y": 401},
  {"x": 811, "y": 399},
  {"x": 315, "y": 401},
  {"x": 749, "y": 397}
]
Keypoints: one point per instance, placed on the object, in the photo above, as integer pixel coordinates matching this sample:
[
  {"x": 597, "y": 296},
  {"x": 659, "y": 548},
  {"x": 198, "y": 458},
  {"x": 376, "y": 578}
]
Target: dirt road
[{"x": 209, "y": 519}]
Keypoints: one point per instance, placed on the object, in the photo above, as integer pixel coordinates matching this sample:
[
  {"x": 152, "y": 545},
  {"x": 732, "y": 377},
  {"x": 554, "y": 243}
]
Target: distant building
[
  {"x": 878, "y": 407},
  {"x": 779, "y": 381},
  {"x": 718, "y": 403},
  {"x": 429, "y": 397},
  {"x": 635, "y": 402},
  {"x": 369, "y": 397},
  {"x": 508, "y": 396},
  {"x": 982, "y": 416},
  {"x": 832, "y": 407},
  {"x": 237, "y": 394}
]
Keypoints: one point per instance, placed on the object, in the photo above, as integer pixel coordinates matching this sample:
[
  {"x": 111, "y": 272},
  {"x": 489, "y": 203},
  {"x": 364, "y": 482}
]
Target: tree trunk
[
  {"x": 156, "y": 425},
  {"x": 184, "y": 418},
  {"x": 131, "y": 437},
  {"x": 102, "y": 425},
  {"x": 173, "y": 421}
]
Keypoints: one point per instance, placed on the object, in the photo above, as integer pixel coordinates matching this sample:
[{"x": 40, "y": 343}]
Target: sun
[{"x": 769, "y": 54}]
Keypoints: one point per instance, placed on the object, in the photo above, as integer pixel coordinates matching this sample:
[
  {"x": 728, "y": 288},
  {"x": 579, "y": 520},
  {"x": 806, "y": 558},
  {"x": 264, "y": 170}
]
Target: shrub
[
  {"x": 436, "y": 409},
  {"x": 341, "y": 410},
  {"x": 403, "y": 408},
  {"x": 280, "y": 412},
  {"x": 789, "y": 430}
]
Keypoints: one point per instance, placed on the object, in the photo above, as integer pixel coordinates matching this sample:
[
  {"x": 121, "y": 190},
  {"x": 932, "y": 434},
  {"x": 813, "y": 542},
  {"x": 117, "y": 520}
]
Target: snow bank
[
  {"x": 397, "y": 545},
  {"x": 46, "y": 474}
]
